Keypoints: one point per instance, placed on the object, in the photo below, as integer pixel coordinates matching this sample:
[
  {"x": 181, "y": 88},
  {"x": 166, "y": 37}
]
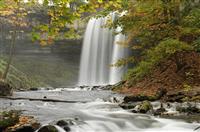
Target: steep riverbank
[{"x": 176, "y": 78}]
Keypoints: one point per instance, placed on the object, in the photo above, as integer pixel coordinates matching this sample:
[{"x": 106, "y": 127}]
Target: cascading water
[
  {"x": 100, "y": 50},
  {"x": 119, "y": 52},
  {"x": 98, "y": 113}
]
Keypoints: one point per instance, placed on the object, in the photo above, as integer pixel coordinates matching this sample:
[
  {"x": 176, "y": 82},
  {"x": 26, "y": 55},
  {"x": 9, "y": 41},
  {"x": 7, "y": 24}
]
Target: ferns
[{"x": 16, "y": 78}]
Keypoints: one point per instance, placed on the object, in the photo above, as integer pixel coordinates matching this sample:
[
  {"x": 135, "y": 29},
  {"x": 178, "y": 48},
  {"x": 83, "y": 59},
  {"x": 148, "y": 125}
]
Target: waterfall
[
  {"x": 118, "y": 52},
  {"x": 99, "y": 51}
]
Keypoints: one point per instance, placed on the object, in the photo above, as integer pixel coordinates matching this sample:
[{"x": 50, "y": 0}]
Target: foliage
[
  {"x": 62, "y": 15},
  {"x": 16, "y": 78},
  {"x": 153, "y": 56},
  {"x": 191, "y": 30},
  {"x": 187, "y": 87},
  {"x": 155, "y": 28},
  {"x": 8, "y": 118},
  {"x": 12, "y": 13},
  {"x": 196, "y": 44}
]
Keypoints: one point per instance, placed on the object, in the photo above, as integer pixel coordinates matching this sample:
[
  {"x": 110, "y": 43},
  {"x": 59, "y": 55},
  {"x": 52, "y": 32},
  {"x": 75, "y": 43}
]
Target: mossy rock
[
  {"x": 144, "y": 107},
  {"x": 48, "y": 128}
]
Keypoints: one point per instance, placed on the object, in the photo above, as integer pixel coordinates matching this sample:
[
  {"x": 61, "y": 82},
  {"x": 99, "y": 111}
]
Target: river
[{"x": 90, "y": 110}]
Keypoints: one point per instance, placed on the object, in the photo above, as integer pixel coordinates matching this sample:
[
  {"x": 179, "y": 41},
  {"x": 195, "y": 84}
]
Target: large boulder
[
  {"x": 5, "y": 89},
  {"x": 48, "y": 128}
]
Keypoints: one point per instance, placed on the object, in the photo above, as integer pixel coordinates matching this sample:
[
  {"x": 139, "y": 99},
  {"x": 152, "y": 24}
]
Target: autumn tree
[{"x": 12, "y": 13}]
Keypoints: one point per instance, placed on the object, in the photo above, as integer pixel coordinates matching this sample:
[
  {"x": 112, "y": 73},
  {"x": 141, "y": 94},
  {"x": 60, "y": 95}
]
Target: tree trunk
[{"x": 11, "y": 53}]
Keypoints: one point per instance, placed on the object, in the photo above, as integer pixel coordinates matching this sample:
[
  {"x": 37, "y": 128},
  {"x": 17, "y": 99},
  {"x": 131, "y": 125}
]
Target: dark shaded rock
[
  {"x": 95, "y": 87},
  {"x": 48, "y": 128},
  {"x": 134, "y": 98},
  {"x": 67, "y": 128},
  {"x": 144, "y": 107},
  {"x": 183, "y": 95},
  {"x": 134, "y": 111},
  {"x": 197, "y": 128},
  {"x": 33, "y": 89},
  {"x": 114, "y": 100},
  {"x": 127, "y": 105},
  {"x": 188, "y": 110},
  {"x": 107, "y": 87},
  {"x": 159, "y": 111},
  {"x": 66, "y": 123},
  {"x": 5, "y": 89},
  {"x": 62, "y": 123},
  {"x": 24, "y": 129}
]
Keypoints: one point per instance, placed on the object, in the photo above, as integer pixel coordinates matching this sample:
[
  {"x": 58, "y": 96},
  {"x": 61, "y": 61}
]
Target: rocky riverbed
[{"x": 96, "y": 110}]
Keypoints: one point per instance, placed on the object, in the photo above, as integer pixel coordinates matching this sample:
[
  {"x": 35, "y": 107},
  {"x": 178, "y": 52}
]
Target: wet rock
[
  {"x": 62, "y": 123},
  {"x": 48, "y": 128},
  {"x": 197, "y": 128},
  {"x": 82, "y": 87},
  {"x": 127, "y": 105},
  {"x": 144, "y": 107},
  {"x": 188, "y": 110},
  {"x": 5, "y": 89},
  {"x": 134, "y": 98},
  {"x": 95, "y": 87},
  {"x": 183, "y": 95},
  {"x": 115, "y": 100},
  {"x": 33, "y": 89},
  {"x": 107, "y": 87},
  {"x": 159, "y": 111},
  {"x": 67, "y": 128},
  {"x": 67, "y": 122}
]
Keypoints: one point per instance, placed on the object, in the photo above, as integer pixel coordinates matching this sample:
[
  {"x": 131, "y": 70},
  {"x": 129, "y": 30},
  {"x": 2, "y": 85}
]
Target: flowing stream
[{"x": 94, "y": 111}]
